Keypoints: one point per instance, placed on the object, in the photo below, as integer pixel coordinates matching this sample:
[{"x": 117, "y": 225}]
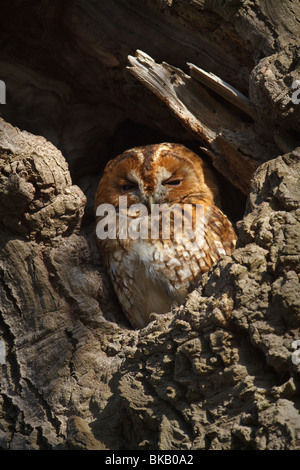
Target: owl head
[{"x": 157, "y": 174}]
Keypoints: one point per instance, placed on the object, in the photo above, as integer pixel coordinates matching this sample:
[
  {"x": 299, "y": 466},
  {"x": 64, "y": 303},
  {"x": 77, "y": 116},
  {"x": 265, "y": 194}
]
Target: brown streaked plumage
[{"x": 150, "y": 275}]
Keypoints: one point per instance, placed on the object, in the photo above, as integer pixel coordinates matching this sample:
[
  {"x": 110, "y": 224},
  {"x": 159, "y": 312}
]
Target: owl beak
[{"x": 150, "y": 202}]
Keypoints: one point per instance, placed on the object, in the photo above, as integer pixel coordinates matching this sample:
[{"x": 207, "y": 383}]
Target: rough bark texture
[{"x": 221, "y": 372}]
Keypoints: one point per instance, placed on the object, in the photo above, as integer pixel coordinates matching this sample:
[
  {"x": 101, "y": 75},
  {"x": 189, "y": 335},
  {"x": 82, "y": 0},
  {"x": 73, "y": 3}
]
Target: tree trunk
[{"x": 84, "y": 81}]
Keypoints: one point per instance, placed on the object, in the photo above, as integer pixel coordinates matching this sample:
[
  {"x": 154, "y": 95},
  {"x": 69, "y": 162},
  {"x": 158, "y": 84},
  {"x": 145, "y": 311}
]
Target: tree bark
[{"x": 220, "y": 372}]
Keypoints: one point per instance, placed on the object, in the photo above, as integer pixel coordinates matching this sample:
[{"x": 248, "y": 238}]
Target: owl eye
[
  {"x": 128, "y": 187},
  {"x": 173, "y": 182}
]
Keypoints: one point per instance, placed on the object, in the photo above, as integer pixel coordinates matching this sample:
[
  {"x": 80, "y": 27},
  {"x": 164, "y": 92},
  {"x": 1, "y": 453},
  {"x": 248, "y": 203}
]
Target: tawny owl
[{"x": 153, "y": 264}]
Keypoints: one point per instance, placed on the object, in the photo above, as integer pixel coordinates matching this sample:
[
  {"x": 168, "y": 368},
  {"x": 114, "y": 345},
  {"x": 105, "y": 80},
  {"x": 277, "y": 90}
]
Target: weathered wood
[
  {"x": 72, "y": 86},
  {"x": 232, "y": 142},
  {"x": 73, "y": 375},
  {"x": 223, "y": 89},
  {"x": 220, "y": 372}
]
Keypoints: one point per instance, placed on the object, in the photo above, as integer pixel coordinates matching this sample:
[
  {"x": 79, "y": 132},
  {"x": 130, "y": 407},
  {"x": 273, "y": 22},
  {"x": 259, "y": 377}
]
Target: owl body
[{"x": 153, "y": 272}]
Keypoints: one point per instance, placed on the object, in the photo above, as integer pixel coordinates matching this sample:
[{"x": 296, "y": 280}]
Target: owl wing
[
  {"x": 182, "y": 259},
  {"x": 153, "y": 274}
]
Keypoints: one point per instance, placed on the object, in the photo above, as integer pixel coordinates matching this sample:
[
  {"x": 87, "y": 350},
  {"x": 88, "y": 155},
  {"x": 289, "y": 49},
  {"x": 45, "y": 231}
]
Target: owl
[{"x": 145, "y": 199}]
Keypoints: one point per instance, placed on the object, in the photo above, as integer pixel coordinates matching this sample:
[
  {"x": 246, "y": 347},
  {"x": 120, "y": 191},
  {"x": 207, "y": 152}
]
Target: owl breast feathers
[{"x": 166, "y": 230}]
